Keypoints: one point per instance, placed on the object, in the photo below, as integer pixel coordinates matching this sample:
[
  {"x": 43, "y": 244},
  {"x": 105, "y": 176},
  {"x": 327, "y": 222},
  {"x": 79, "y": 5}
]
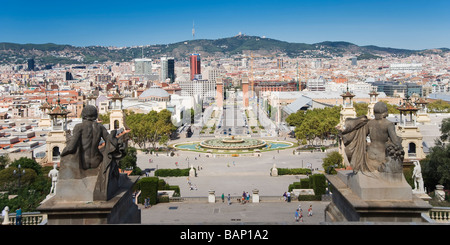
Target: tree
[
  {"x": 130, "y": 158},
  {"x": 313, "y": 124},
  {"x": 438, "y": 106},
  {"x": 361, "y": 109},
  {"x": 331, "y": 161},
  {"x": 445, "y": 129},
  {"x": 150, "y": 127},
  {"x": 26, "y": 162},
  {"x": 104, "y": 117},
  {"x": 436, "y": 165}
]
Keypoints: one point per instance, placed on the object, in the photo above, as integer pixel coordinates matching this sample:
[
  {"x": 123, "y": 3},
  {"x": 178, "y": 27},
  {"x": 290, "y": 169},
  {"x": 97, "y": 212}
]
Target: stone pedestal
[
  {"x": 120, "y": 209},
  {"x": 274, "y": 172},
  {"x": 192, "y": 172},
  {"x": 255, "y": 196},
  {"x": 376, "y": 197},
  {"x": 211, "y": 196}
]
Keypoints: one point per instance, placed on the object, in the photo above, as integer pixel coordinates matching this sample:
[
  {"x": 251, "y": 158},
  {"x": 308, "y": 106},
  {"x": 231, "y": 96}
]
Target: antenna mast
[{"x": 193, "y": 30}]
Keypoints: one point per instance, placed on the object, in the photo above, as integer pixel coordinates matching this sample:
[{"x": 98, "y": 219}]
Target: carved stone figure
[
  {"x": 417, "y": 178},
  {"x": 384, "y": 152},
  {"x": 53, "y": 174},
  {"x": 89, "y": 171}
]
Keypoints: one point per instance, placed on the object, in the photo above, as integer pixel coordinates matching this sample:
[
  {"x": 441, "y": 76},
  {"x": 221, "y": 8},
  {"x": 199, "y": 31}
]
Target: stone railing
[
  {"x": 440, "y": 214},
  {"x": 28, "y": 218}
]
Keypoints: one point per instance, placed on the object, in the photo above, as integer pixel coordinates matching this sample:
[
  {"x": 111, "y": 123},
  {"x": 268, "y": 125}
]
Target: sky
[{"x": 412, "y": 24}]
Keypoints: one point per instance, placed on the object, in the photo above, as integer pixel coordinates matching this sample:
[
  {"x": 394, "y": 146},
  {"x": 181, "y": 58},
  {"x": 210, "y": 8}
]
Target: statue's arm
[
  {"x": 71, "y": 146},
  {"x": 393, "y": 135}
]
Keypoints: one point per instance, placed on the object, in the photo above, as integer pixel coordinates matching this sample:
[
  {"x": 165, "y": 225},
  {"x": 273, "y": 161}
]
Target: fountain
[{"x": 232, "y": 143}]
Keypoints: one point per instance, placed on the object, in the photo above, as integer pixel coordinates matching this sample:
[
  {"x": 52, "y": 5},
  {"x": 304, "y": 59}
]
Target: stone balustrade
[
  {"x": 28, "y": 218},
  {"x": 440, "y": 214}
]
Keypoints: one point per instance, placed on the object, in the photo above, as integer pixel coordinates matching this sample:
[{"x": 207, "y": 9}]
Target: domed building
[{"x": 154, "y": 93}]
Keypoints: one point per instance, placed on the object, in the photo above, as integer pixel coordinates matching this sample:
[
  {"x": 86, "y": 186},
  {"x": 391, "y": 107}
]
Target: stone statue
[
  {"x": 384, "y": 152},
  {"x": 90, "y": 172},
  {"x": 53, "y": 174},
  {"x": 417, "y": 178},
  {"x": 86, "y": 139}
]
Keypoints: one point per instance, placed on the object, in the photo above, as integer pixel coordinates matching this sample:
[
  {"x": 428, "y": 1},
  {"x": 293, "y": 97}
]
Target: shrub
[
  {"x": 293, "y": 171},
  {"x": 149, "y": 188},
  {"x": 319, "y": 184},
  {"x": 305, "y": 183},
  {"x": 172, "y": 172},
  {"x": 310, "y": 197}
]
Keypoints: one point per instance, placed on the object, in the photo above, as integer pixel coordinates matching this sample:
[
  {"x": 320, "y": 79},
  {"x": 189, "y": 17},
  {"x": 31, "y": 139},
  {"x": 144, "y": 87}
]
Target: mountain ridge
[{"x": 51, "y": 53}]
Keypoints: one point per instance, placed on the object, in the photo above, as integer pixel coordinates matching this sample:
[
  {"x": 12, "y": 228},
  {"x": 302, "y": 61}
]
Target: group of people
[
  {"x": 244, "y": 199},
  {"x": 299, "y": 213},
  {"x": 191, "y": 186},
  {"x": 287, "y": 196}
]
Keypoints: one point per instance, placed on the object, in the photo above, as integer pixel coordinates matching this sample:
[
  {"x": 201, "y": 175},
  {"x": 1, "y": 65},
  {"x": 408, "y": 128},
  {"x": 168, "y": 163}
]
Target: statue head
[
  {"x": 89, "y": 112},
  {"x": 380, "y": 110}
]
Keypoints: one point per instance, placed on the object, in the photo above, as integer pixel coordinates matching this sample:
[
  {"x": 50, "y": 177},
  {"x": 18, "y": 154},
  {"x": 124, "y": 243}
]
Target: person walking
[
  {"x": 229, "y": 199},
  {"x": 223, "y": 198},
  {"x": 310, "y": 212},
  {"x": 296, "y": 215}
]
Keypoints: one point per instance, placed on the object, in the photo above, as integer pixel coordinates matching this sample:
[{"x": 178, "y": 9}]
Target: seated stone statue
[
  {"x": 384, "y": 152},
  {"x": 89, "y": 171}
]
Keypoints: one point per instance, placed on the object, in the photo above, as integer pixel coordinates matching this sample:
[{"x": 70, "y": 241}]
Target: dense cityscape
[{"x": 197, "y": 97}]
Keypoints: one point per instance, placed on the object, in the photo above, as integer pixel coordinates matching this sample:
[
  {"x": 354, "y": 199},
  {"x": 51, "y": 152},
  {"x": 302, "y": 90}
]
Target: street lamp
[{"x": 19, "y": 173}]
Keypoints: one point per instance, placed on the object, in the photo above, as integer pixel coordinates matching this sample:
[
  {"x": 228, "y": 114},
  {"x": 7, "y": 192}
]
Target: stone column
[
  {"x": 255, "y": 196},
  {"x": 211, "y": 196}
]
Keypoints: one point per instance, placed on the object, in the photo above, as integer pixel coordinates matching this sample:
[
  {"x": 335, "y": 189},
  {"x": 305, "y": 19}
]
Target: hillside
[{"x": 12, "y": 53}]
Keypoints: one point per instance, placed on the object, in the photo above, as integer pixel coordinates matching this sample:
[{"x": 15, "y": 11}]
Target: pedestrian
[
  {"x": 300, "y": 216},
  {"x": 223, "y": 198},
  {"x": 229, "y": 199},
  {"x": 310, "y": 212},
  {"x": 296, "y": 215},
  {"x": 247, "y": 197},
  {"x": 19, "y": 216},
  {"x": 289, "y": 196},
  {"x": 285, "y": 196}
]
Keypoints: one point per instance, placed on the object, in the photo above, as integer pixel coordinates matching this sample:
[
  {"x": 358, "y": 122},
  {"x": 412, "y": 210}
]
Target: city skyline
[{"x": 402, "y": 24}]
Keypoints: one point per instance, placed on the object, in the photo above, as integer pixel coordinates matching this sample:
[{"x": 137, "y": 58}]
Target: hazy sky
[{"x": 412, "y": 24}]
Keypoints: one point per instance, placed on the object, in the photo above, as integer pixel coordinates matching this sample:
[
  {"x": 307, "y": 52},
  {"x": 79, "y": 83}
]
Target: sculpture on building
[{"x": 372, "y": 145}]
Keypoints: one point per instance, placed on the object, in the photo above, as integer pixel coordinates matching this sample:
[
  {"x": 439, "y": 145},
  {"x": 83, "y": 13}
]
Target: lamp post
[{"x": 19, "y": 173}]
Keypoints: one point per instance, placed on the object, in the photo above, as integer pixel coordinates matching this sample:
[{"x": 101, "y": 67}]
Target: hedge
[
  {"x": 149, "y": 188},
  {"x": 293, "y": 171},
  {"x": 317, "y": 182},
  {"x": 172, "y": 172}
]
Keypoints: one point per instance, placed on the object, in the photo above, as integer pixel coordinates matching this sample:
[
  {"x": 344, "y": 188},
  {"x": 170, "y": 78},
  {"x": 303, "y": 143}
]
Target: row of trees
[
  {"x": 153, "y": 127},
  {"x": 316, "y": 123}
]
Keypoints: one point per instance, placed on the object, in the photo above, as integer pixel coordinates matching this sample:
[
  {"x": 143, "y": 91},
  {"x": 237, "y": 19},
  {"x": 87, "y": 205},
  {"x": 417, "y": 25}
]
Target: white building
[
  {"x": 204, "y": 89},
  {"x": 405, "y": 68}
]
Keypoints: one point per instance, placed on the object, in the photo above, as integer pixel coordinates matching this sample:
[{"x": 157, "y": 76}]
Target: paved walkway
[
  {"x": 232, "y": 175},
  {"x": 269, "y": 213}
]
